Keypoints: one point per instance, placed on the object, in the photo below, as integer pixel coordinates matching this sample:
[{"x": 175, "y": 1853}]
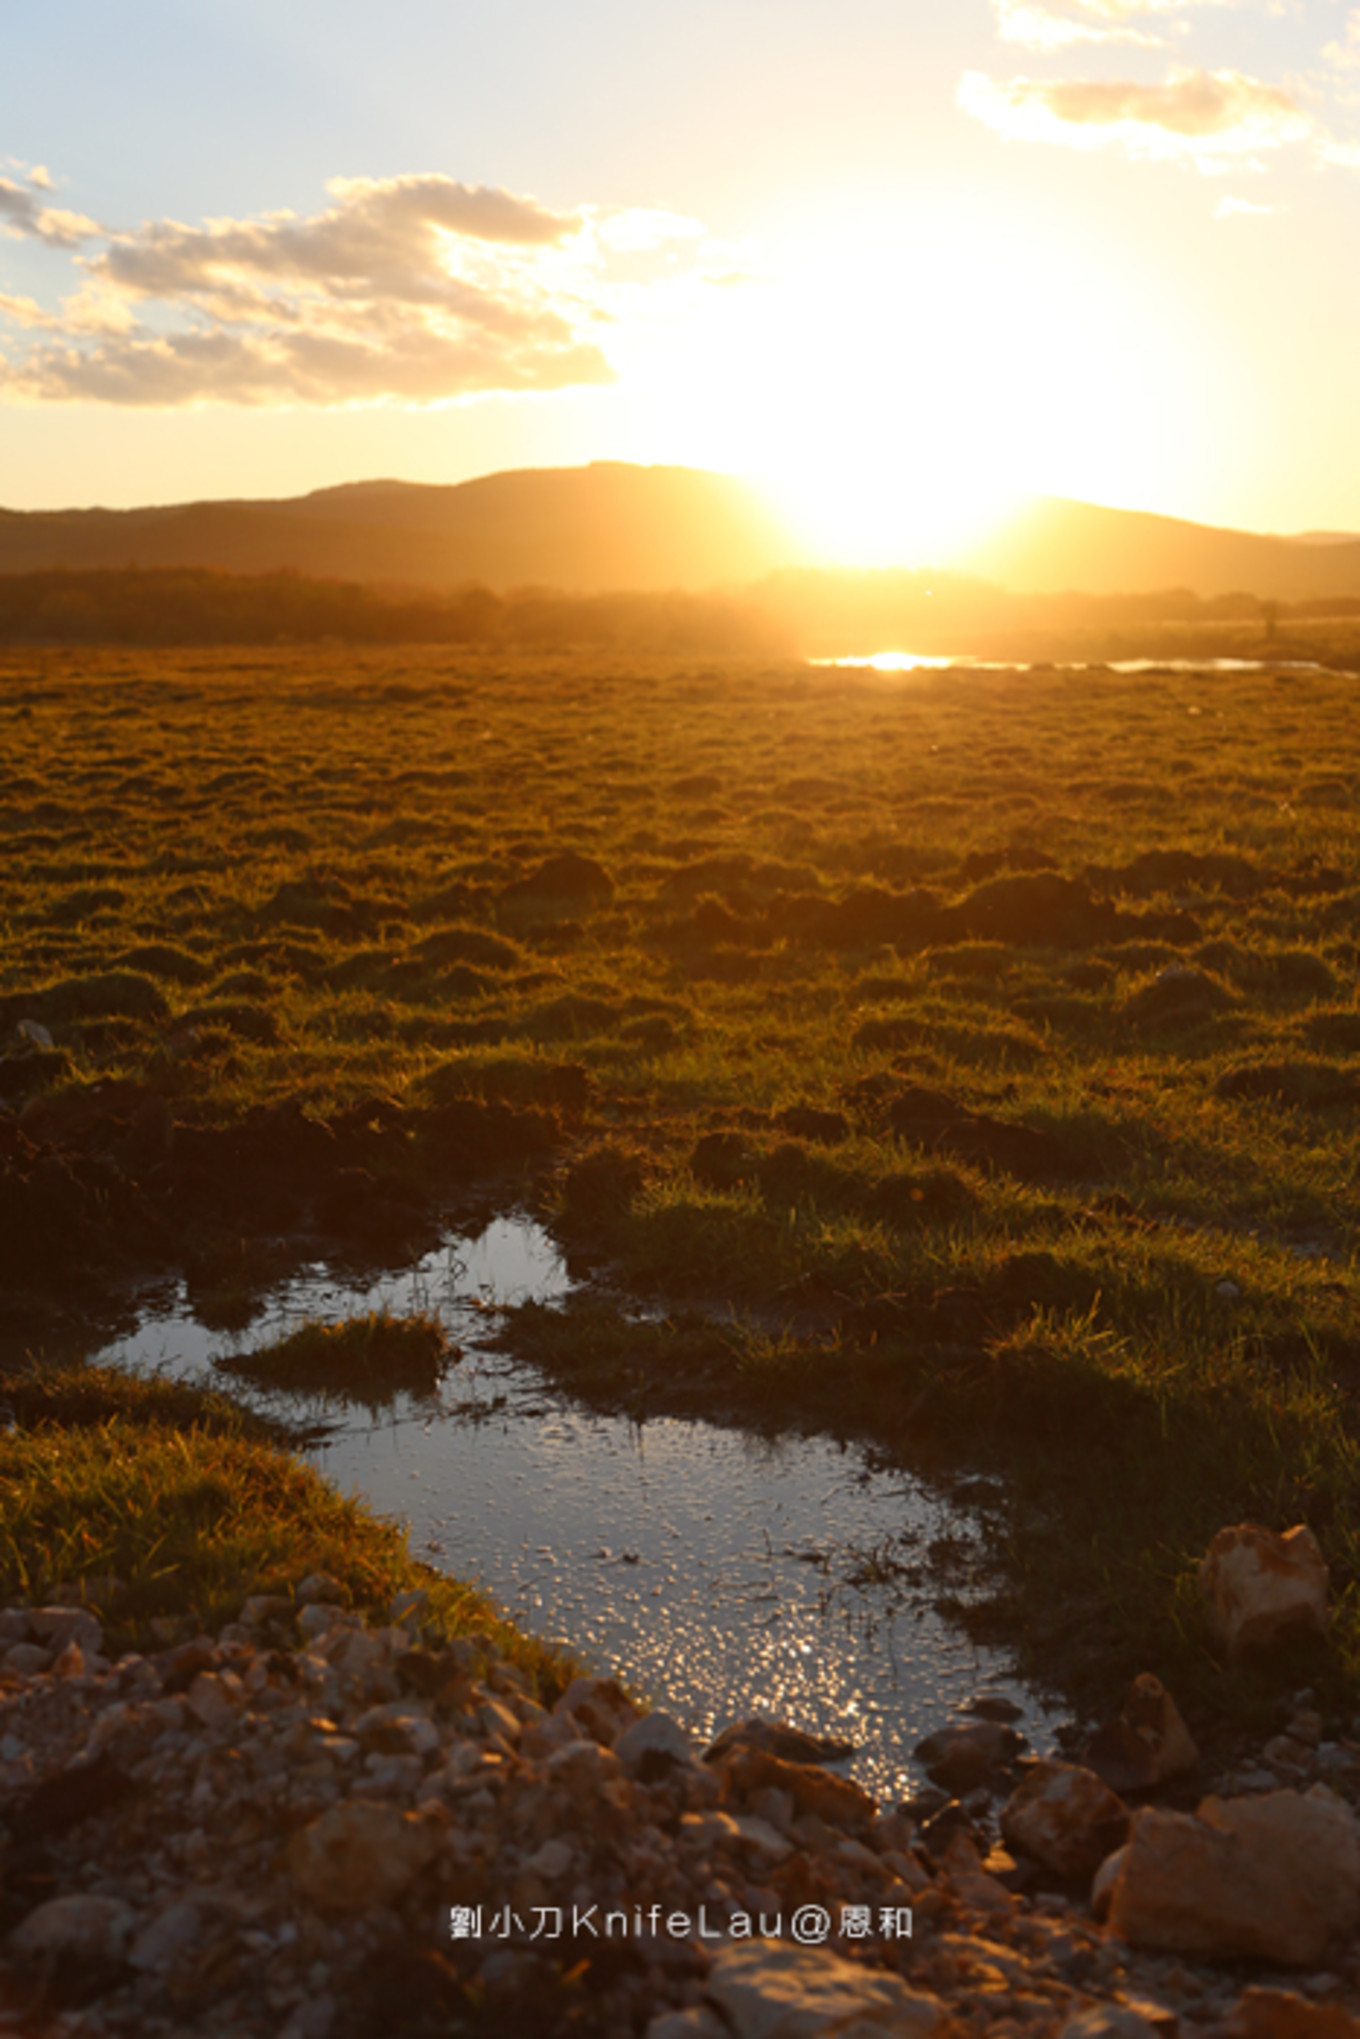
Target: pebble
[{"x": 293, "y": 1819}]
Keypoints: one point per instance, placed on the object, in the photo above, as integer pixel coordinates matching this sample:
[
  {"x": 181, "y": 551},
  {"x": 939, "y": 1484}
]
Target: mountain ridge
[{"x": 612, "y": 526}]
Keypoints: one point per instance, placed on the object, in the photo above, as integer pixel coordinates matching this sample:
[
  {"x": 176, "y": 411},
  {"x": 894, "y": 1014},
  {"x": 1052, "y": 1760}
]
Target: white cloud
[
  {"x": 1211, "y": 119},
  {"x": 415, "y": 289},
  {"x": 1033, "y": 26},
  {"x": 1243, "y": 208}
]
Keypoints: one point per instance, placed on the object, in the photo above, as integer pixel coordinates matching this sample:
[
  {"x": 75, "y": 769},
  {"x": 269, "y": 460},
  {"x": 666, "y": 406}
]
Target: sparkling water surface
[{"x": 720, "y": 1573}]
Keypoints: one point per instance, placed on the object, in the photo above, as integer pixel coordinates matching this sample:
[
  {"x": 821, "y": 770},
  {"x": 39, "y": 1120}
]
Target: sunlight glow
[{"x": 899, "y": 381}]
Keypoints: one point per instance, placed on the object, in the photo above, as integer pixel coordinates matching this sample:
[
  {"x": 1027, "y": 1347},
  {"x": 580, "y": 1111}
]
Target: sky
[{"x": 899, "y": 261}]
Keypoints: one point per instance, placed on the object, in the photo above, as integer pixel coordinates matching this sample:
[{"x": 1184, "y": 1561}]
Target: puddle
[
  {"x": 915, "y": 661},
  {"x": 721, "y": 1574}
]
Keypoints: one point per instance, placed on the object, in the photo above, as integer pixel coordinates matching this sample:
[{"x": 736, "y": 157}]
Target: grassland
[{"x": 970, "y": 1061}]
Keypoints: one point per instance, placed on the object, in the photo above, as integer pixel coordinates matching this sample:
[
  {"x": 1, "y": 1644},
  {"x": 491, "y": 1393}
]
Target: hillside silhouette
[
  {"x": 612, "y": 527},
  {"x": 581, "y": 529},
  {"x": 1054, "y": 545}
]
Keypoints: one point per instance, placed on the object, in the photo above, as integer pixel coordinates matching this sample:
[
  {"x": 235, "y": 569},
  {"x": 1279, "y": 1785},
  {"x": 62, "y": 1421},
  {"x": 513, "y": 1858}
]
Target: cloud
[
  {"x": 1244, "y": 208},
  {"x": 1211, "y": 119},
  {"x": 1035, "y": 27},
  {"x": 415, "y": 289},
  {"x": 21, "y": 212},
  {"x": 1039, "y": 25}
]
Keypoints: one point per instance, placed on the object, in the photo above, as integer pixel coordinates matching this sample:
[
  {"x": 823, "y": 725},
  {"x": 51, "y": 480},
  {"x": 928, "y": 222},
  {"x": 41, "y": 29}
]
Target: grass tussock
[
  {"x": 192, "y": 1506},
  {"x": 367, "y": 1359}
]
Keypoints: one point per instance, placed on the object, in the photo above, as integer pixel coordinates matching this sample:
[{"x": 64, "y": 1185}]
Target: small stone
[
  {"x": 74, "y": 1929},
  {"x": 262, "y": 1608},
  {"x": 1147, "y": 1745},
  {"x": 698, "y": 2022},
  {"x": 961, "y": 1757},
  {"x": 772, "y": 1991},
  {"x": 1065, "y": 1817},
  {"x": 1262, "y": 1590},
  {"x": 1280, "y": 2014},
  {"x": 601, "y": 1706},
  {"x": 363, "y": 1853},
  {"x": 210, "y": 1701},
  {"x": 177, "y": 1929},
  {"x": 58, "y": 1626},
  {"x": 317, "y": 1618},
  {"x": 26, "y": 1660},
  {"x": 777, "y": 1738},
  {"x": 553, "y": 1860},
  {"x": 319, "y": 1589},
  {"x": 651, "y": 1747},
  {"x": 1108, "y": 2021}
]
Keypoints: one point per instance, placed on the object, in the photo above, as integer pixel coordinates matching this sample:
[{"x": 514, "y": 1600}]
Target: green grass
[
  {"x": 193, "y": 1506},
  {"x": 366, "y": 1359},
  {"x": 1114, "y": 922}
]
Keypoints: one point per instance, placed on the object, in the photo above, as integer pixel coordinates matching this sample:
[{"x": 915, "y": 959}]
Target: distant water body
[{"x": 916, "y": 661}]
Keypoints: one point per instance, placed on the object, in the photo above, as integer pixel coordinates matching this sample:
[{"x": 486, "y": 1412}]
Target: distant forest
[{"x": 803, "y": 611}]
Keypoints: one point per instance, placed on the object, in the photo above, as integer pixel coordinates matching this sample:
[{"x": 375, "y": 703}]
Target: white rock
[
  {"x": 769, "y": 1990},
  {"x": 552, "y": 1860},
  {"x": 1273, "y": 1878},
  {"x": 75, "y": 1929},
  {"x": 1262, "y": 1589},
  {"x": 1065, "y": 1817}
]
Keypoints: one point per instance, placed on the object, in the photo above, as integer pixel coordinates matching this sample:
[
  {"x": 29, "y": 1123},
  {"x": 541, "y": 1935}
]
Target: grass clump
[
  {"x": 192, "y": 1506},
  {"x": 367, "y": 1359}
]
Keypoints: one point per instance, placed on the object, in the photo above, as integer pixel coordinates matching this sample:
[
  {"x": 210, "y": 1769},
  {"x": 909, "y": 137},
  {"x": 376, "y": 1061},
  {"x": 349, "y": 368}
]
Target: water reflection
[{"x": 720, "y": 1573}]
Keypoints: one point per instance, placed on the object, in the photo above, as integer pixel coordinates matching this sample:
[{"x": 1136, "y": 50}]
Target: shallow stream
[{"x": 720, "y": 1573}]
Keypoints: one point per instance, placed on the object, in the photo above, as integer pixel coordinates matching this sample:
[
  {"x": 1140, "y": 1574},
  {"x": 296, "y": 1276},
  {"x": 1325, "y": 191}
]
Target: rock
[
  {"x": 837, "y": 1800},
  {"x": 362, "y": 1853},
  {"x": 974, "y": 1885},
  {"x": 958, "y": 1758},
  {"x": 773, "y": 1991},
  {"x": 211, "y": 1701},
  {"x": 1263, "y": 1590},
  {"x": 1065, "y": 1817},
  {"x": 696, "y": 2023},
  {"x": 74, "y": 1929},
  {"x": 25, "y": 1659},
  {"x": 651, "y": 1747},
  {"x": 777, "y": 1738},
  {"x": 319, "y": 1589},
  {"x": 1148, "y": 1744},
  {"x": 1280, "y": 2014},
  {"x": 1108, "y": 2021},
  {"x": 1271, "y": 1878},
  {"x": 55, "y": 1627},
  {"x": 993, "y": 1706},
  {"x": 179, "y": 1927},
  {"x": 601, "y": 1706}
]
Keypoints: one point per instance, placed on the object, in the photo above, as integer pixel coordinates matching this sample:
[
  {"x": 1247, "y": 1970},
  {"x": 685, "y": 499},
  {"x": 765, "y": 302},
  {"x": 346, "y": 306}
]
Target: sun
[{"x": 897, "y": 384}]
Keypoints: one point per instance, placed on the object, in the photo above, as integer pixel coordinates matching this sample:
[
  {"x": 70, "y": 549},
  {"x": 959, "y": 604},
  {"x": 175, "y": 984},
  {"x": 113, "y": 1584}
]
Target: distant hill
[
  {"x": 607, "y": 526},
  {"x": 1054, "y": 546},
  {"x": 614, "y": 527}
]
